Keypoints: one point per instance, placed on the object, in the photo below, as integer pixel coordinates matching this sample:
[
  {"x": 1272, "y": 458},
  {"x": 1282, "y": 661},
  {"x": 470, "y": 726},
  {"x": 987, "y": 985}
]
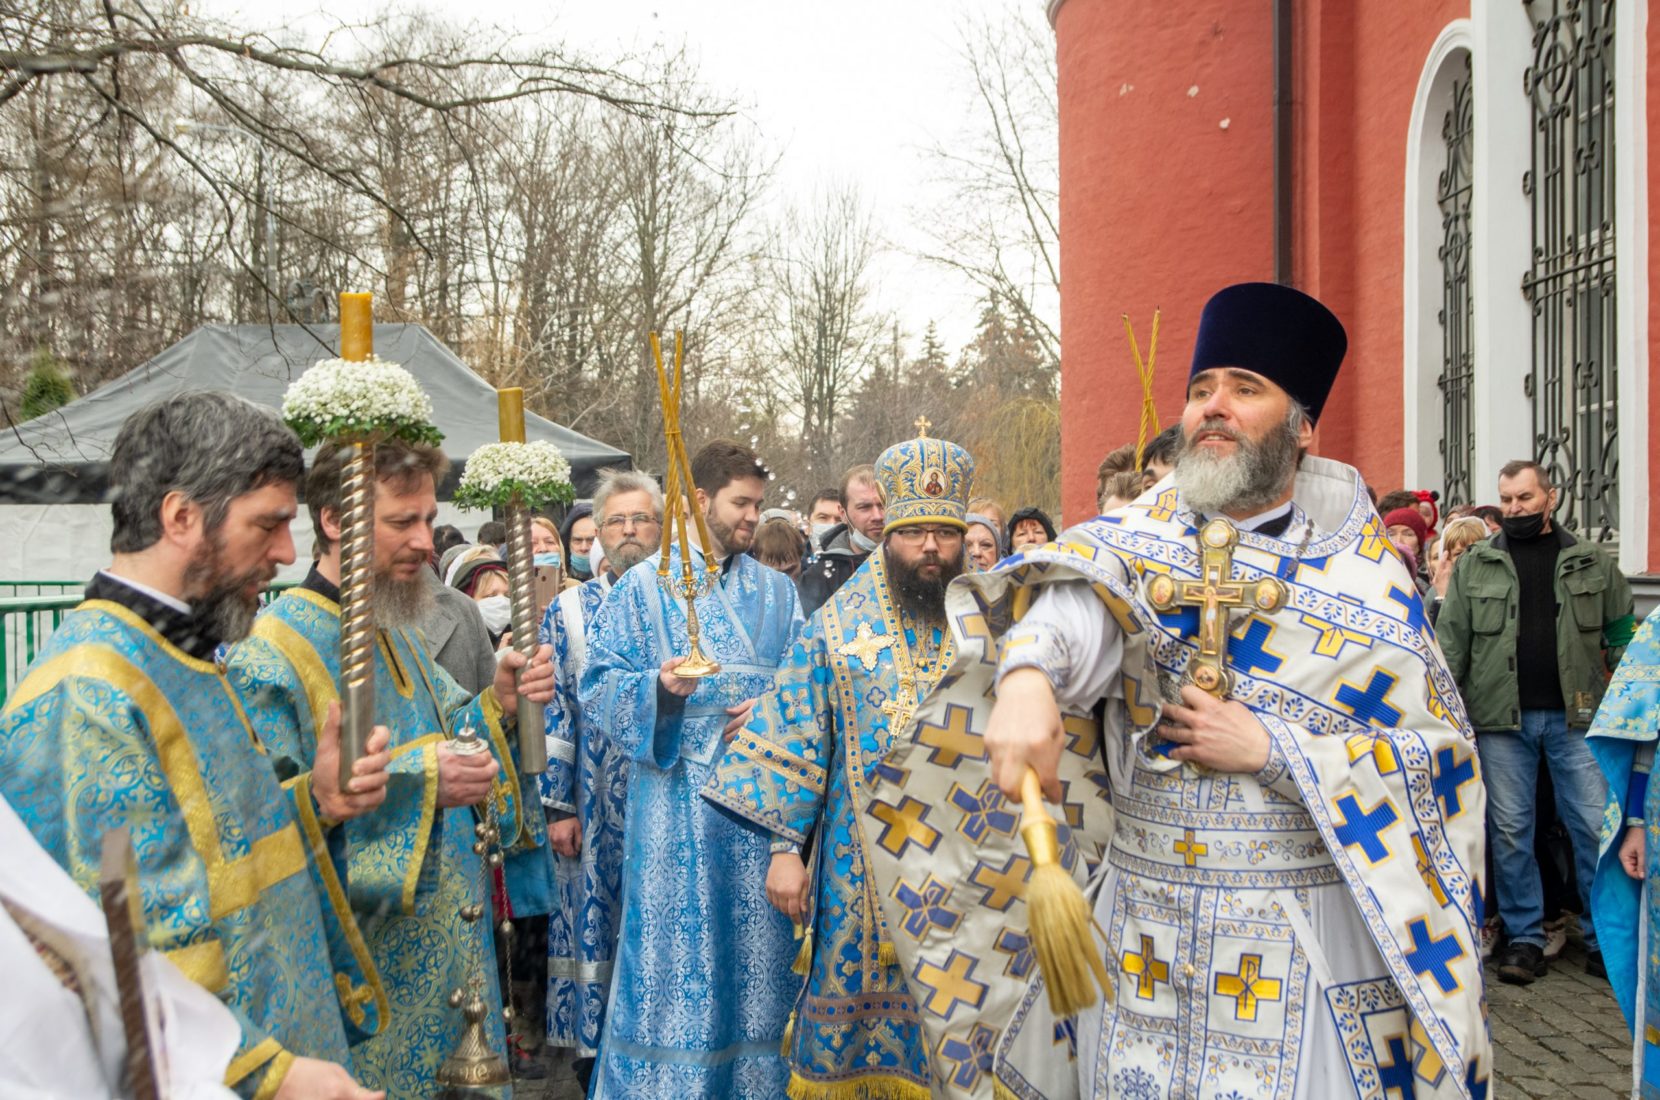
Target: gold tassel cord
[
  {"x": 803, "y": 964},
  {"x": 887, "y": 954},
  {"x": 1058, "y": 913},
  {"x": 1149, "y": 424}
]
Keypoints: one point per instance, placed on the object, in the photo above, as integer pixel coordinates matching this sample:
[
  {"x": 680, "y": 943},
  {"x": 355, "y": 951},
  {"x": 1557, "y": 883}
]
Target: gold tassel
[
  {"x": 872, "y": 1087},
  {"x": 887, "y": 954},
  {"x": 789, "y": 1037},
  {"x": 803, "y": 964},
  {"x": 1059, "y": 916}
]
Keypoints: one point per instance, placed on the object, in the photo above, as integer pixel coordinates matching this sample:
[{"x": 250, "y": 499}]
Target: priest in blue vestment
[
  {"x": 585, "y": 788},
  {"x": 1622, "y": 738},
  {"x": 412, "y": 864},
  {"x": 802, "y": 769},
  {"x": 125, "y": 719},
  {"x": 702, "y": 985}
]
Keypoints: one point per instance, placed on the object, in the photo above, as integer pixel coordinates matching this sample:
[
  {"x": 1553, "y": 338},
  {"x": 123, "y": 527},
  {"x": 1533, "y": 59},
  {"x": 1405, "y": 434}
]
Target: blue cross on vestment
[
  {"x": 1249, "y": 650},
  {"x": 1371, "y": 704},
  {"x": 1183, "y": 621},
  {"x": 983, "y": 809},
  {"x": 926, "y": 908},
  {"x": 1451, "y": 774},
  {"x": 1434, "y": 956},
  {"x": 1396, "y": 1077},
  {"x": 973, "y": 1058},
  {"x": 1477, "y": 1086},
  {"x": 1363, "y": 826},
  {"x": 1019, "y": 949},
  {"x": 1412, "y": 605}
]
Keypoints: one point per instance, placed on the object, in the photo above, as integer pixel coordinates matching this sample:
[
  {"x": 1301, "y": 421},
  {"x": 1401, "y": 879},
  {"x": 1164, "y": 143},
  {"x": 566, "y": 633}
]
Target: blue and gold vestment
[
  {"x": 114, "y": 725},
  {"x": 1306, "y": 931},
  {"x": 1622, "y": 738},
  {"x": 587, "y": 777},
  {"x": 411, "y": 864},
  {"x": 702, "y": 986},
  {"x": 802, "y": 768}
]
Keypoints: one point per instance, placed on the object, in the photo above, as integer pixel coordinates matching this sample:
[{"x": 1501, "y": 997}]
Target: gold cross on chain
[{"x": 1215, "y": 593}]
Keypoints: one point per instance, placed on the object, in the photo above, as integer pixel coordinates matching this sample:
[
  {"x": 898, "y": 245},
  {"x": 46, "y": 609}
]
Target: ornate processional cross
[
  {"x": 1215, "y": 594},
  {"x": 922, "y": 424}
]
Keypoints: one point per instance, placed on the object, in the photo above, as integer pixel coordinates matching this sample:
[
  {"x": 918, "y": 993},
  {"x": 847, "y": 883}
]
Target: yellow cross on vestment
[
  {"x": 1190, "y": 849},
  {"x": 353, "y": 997},
  {"x": 866, "y": 646},
  {"x": 1146, "y": 968},
  {"x": 1248, "y": 987},
  {"x": 1215, "y": 594}
]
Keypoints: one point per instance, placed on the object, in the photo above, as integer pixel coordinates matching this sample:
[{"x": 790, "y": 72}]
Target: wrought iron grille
[
  {"x": 1456, "y": 381},
  {"x": 1570, "y": 284}
]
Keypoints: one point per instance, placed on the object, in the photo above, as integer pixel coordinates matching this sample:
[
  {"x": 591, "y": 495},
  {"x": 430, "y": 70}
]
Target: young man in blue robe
[
  {"x": 125, "y": 719},
  {"x": 802, "y": 768},
  {"x": 702, "y": 986},
  {"x": 412, "y": 865},
  {"x": 585, "y": 788}
]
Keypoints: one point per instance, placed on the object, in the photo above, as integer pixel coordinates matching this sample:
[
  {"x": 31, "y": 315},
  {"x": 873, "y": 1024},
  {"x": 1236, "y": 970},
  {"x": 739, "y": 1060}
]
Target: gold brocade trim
[
  {"x": 875, "y": 1086},
  {"x": 401, "y": 682},
  {"x": 793, "y": 768},
  {"x": 316, "y": 599},
  {"x": 1000, "y": 1091},
  {"x": 203, "y": 963},
  {"x": 320, "y": 688},
  {"x": 429, "y": 812},
  {"x": 251, "y": 1059},
  {"x": 234, "y": 884},
  {"x": 136, "y": 621},
  {"x": 300, "y": 786},
  {"x": 275, "y": 1076}
]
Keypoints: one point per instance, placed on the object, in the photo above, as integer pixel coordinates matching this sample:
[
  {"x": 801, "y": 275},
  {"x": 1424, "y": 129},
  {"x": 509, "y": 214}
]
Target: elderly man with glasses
[{"x": 584, "y": 788}]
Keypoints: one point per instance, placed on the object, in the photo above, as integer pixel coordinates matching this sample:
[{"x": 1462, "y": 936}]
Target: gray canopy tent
[{"x": 63, "y": 457}]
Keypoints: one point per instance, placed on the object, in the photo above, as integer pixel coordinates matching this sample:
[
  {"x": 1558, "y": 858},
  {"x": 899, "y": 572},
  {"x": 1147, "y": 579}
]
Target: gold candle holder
[
  {"x": 521, "y": 579},
  {"x": 472, "y": 1064},
  {"x": 689, "y": 587}
]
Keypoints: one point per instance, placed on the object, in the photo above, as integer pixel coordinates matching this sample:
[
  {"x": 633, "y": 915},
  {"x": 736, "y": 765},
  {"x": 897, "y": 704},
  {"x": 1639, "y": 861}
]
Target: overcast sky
[{"x": 848, "y": 92}]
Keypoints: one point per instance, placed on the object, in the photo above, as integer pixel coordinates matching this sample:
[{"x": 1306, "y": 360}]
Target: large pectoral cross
[{"x": 1215, "y": 594}]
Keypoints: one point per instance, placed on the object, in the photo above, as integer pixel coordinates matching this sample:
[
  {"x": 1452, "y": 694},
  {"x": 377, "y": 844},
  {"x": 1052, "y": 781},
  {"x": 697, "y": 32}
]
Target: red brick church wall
[{"x": 1166, "y": 155}]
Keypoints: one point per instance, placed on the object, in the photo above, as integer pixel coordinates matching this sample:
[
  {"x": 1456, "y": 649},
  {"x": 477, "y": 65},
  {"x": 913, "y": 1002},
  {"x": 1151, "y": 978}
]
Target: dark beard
[
  {"x": 400, "y": 604},
  {"x": 920, "y": 596},
  {"x": 225, "y": 613},
  {"x": 726, "y": 539},
  {"x": 1250, "y": 480}
]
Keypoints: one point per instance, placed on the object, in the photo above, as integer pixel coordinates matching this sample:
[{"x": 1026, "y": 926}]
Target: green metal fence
[
  {"x": 30, "y": 611},
  {"x": 25, "y": 624}
]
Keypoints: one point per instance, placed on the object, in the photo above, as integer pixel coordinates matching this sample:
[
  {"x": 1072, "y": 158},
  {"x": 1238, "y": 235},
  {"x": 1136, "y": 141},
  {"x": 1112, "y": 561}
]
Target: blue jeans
[{"x": 1510, "y": 767}]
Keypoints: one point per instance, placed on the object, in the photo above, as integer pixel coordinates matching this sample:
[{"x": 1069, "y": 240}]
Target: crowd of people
[{"x": 1353, "y": 747}]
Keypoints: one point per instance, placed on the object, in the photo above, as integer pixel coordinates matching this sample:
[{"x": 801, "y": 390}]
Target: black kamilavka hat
[{"x": 1282, "y": 334}]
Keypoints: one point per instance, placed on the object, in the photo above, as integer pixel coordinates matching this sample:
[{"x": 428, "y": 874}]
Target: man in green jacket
[{"x": 1533, "y": 623}]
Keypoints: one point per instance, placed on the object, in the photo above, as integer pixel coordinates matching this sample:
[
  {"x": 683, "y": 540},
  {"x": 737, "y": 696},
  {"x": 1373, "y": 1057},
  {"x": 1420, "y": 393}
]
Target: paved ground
[{"x": 1561, "y": 1038}]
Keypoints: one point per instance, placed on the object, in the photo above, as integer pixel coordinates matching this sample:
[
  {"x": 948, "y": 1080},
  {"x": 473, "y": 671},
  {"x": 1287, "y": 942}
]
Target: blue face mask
[
  {"x": 550, "y": 557},
  {"x": 579, "y": 563}
]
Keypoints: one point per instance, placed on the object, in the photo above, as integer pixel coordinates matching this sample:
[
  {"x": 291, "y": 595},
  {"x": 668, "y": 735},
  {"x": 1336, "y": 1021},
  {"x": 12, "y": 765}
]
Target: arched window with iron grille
[
  {"x": 1454, "y": 186},
  {"x": 1570, "y": 281}
]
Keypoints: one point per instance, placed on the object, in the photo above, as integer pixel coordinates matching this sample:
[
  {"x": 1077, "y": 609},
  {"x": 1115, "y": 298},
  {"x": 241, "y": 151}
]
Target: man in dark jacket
[
  {"x": 846, "y": 546},
  {"x": 1532, "y": 623}
]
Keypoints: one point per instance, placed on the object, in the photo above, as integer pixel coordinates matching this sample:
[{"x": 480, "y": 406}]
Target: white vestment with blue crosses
[{"x": 1305, "y": 932}]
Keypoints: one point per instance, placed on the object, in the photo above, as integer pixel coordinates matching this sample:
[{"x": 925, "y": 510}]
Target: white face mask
[
  {"x": 861, "y": 541},
  {"x": 819, "y": 531},
  {"x": 497, "y": 612}
]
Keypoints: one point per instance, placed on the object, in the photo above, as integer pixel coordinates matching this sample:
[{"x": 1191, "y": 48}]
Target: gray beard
[
  {"x": 627, "y": 556},
  {"x": 401, "y": 604},
  {"x": 1248, "y": 481},
  {"x": 226, "y": 614}
]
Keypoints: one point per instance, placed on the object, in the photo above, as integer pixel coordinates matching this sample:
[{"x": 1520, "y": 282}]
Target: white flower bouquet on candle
[
  {"x": 369, "y": 399},
  {"x": 532, "y": 475}
]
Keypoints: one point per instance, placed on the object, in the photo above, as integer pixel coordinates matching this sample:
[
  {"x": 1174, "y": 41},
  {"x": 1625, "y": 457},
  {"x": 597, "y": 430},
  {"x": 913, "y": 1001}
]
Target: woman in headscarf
[{"x": 982, "y": 543}]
